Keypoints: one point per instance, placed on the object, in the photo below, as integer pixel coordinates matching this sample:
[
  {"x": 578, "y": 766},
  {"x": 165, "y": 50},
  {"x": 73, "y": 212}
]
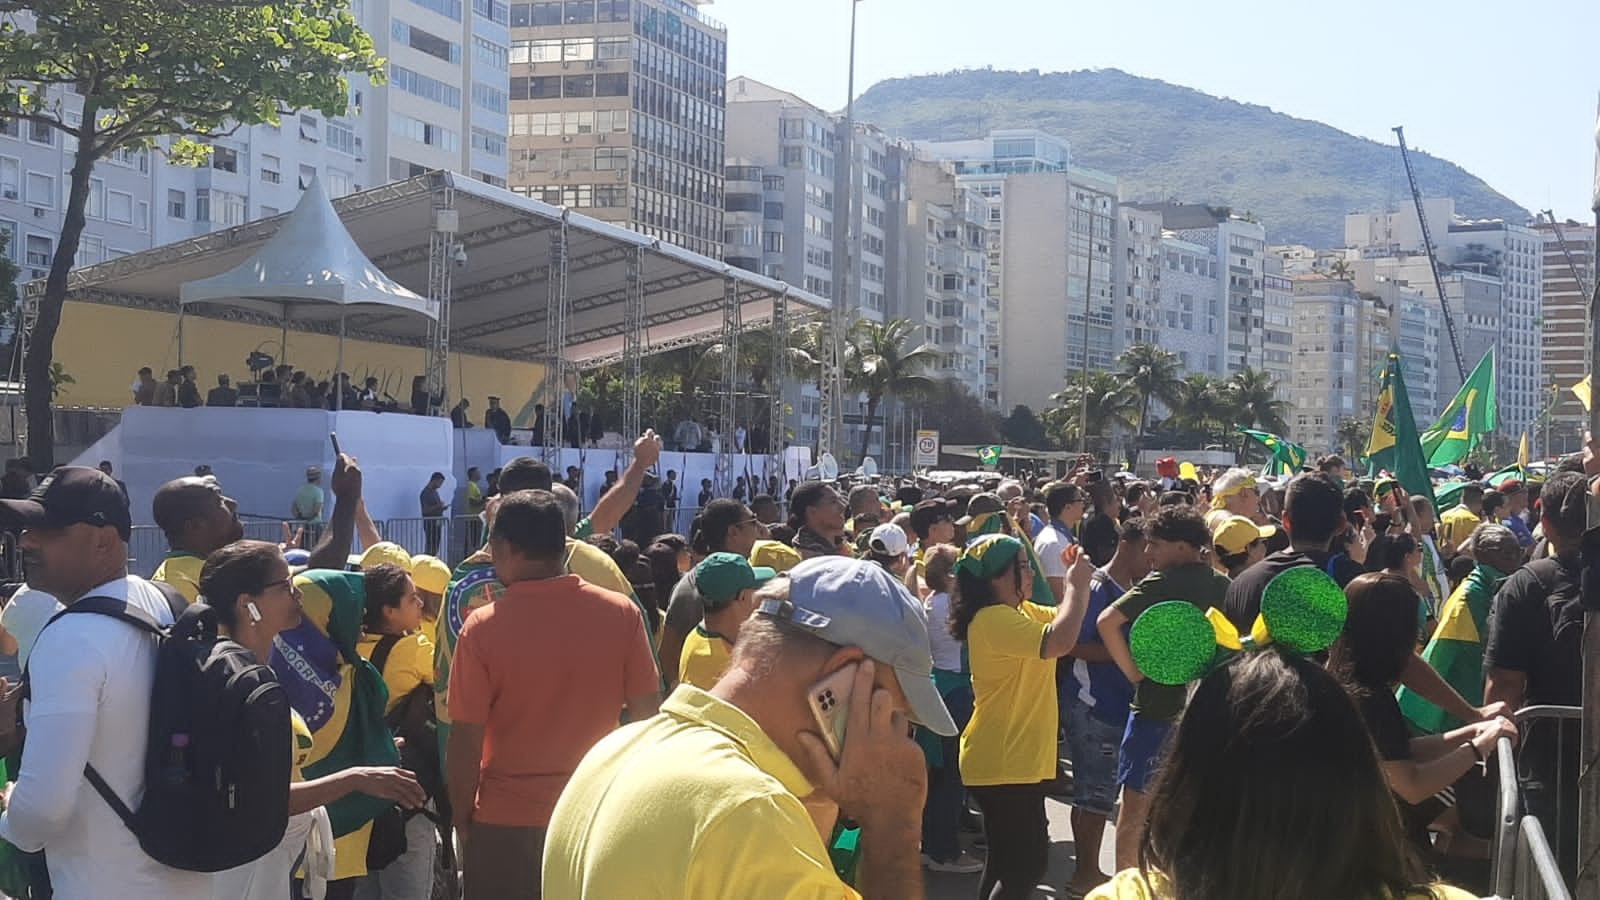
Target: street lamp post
[{"x": 831, "y": 430}]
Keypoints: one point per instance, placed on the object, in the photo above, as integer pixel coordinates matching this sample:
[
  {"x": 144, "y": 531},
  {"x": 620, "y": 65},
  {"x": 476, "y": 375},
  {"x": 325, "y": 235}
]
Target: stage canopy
[{"x": 500, "y": 251}]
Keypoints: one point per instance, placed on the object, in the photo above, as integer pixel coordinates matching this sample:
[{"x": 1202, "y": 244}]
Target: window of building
[
  {"x": 270, "y": 169},
  {"x": 450, "y": 9},
  {"x": 578, "y": 12},
  {"x": 308, "y": 174},
  {"x": 612, "y": 10},
  {"x": 614, "y": 48},
  {"x": 309, "y": 132},
  {"x": 39, "y": 251},
  {"x": 772, "y": 242},
  {"x": 41, "y": 190},
  {"x": 611, "y": 85},
  {"x": 338, "y": 183},
  {"x": 202, "y": 205},
  {"x": 230, "y": 207},
  {"x": 424, "y": 132},
  {"x": 609, "y": 158},
  {"x": 95, "y": 206},
  {"x": 423, "y": 86},
  {"x": 425, "y": 42},
  {"x": 773, "y": 211},
  {"x": 342, "y": 138},
  {"x": 10, "y": 178},
  {"x": 490, "y": 98},
  {"x": 177, "y": 204},
  {"x": 10, "y": 128},
  {"x": 490, "y": 55},
  {"x": 577, "y": 86},
  {"x": 488, "y": 143},
  {"x": 224, "y": 159},
  {"x": 40, "y": 133},
  {"x": 493, "y": 10}
]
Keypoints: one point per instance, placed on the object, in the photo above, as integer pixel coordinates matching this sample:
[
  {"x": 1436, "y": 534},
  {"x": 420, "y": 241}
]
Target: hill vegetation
[{"x": 1165, "y": 141}]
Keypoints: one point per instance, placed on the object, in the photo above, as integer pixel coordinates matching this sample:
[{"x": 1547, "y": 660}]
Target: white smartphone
[{"x": 829, "y": 700}]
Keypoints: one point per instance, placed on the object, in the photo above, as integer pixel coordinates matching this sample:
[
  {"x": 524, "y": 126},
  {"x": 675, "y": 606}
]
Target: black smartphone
[{"x": 334, "y": 436}]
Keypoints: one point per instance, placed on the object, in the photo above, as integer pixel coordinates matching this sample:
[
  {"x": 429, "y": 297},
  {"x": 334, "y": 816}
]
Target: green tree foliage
[
  {"x": 1023, "y": 429},
  {"x": 1353, "y": 434},
  {"x": 1112, "y": 402},
  {"x": 1152, "y": 374},
  {"x": 887, "y": 365},
  {"x": 149, "y": 70},
  {"x": 959, "y": 417}
]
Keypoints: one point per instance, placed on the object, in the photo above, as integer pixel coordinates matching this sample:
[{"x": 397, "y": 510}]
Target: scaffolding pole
[
  {"x": 777, "y": 377},
  {"x": 555, "y": 346},
  {"x": 442, "y": 248},
  {"x": 632, "y": 355},
  {"x": 730, "y": 383}
]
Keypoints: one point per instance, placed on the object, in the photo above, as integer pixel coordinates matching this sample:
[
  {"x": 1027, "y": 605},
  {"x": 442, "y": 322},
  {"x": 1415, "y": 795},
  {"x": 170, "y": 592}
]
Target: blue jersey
[{"x": 1101, "y": 686}]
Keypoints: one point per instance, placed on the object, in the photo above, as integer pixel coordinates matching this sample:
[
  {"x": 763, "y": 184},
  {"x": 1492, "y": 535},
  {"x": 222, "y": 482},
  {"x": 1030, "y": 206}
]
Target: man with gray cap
[
  {"x": 306, "y": 510},
  {"x": 730, "y": 793}
]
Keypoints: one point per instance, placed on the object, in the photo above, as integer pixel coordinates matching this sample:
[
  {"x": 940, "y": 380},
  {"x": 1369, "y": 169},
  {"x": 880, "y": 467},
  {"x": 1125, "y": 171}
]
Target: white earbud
[{"x": 255, "y": 614}]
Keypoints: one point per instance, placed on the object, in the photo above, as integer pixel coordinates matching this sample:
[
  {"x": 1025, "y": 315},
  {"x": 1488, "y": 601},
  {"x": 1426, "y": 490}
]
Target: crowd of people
[{"x": 826, "y": 695}]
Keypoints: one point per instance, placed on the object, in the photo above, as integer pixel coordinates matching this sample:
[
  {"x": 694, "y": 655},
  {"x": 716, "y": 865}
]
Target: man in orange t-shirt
[{"x": 537, "y": 678}]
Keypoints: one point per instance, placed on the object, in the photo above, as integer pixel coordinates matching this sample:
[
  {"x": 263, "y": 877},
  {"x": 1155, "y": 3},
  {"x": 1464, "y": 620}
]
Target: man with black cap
[
  {"x": 90, "y": 680},
  {"x": 498, "y": 420},
  {"x": 197, "y": 520},
  {"x": 757, "y": 780}
]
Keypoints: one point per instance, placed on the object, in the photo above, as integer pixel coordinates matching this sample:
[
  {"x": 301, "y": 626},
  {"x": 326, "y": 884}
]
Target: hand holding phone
[
  {"x": 878, "y": 776},
  {"x": 334, "y": 437}
]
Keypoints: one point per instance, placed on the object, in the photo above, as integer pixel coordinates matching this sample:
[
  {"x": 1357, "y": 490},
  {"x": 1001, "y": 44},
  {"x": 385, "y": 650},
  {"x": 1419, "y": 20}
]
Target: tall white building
[
  {"x": 1192, "y": 300},
  {"x": 1340, "y": 335},
  {"x": 1569, "y": 275},
  {"x": 984, "y": 165},
  {"x": 443, "y": 107},
  {"x": 943, "y": 262}
]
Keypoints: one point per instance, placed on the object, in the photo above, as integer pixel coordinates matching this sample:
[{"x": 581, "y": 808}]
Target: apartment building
[
  {"x": 1340, "y": 338},
  {"x": 618, "y": 109},
  {"x": 943, "y": 261},
  {"x": 1569, "y": 277},
  {"x": 984, "y": 165},
  {"x": 1191, "y": 303},
  {"x": 444, "y": 107}
]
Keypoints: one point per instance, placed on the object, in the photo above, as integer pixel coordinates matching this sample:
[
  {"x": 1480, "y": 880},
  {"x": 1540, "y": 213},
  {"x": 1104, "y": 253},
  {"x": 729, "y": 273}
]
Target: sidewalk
[{"x": 965, "y": 887}]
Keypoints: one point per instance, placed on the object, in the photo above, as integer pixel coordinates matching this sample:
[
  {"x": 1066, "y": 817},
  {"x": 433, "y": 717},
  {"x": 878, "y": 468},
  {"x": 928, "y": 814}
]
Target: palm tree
[
  {"x": 1341, "y": 270},
  {"x": 1353, "y": 434},
  {"x": 1201, "y": 406},
  {"x": 1111, "y": 401},
  {"x": 1252, "y": 395},
  {"x": 886, "y": 367},
  {"x": 1153, "y": 374}
]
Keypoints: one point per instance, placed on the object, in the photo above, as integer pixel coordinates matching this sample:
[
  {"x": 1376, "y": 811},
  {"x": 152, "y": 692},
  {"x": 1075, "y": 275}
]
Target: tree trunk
[
  {"x": 37, "y": 392},
  {"x": 866, "y": 435}
]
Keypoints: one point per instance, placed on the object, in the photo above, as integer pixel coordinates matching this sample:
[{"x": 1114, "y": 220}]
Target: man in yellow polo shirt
[
  {"x": 198, "y": 521},
  {"x": 709, "y": 799},
  {"x": 1458, "y": 522},
  {"x": 727, "y": 584}
]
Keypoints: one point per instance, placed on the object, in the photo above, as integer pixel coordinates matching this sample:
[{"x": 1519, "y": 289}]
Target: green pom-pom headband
[{"x": 1302, "y": 610}]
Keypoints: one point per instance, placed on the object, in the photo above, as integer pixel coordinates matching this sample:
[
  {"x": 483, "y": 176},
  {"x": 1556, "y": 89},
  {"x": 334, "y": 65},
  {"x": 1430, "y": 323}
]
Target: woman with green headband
[{"x": 1008, "y": 749}]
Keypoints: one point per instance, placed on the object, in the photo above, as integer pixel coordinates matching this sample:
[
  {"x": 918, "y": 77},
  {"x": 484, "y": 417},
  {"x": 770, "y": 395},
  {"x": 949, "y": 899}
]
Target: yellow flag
[
  {"x": 1383, "y": 423},
  {"x": 1522, "y": 452},
  {"x": 1581, "y": 391}
]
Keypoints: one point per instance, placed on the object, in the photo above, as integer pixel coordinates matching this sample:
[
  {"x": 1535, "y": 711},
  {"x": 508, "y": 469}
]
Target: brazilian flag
[
  {"x": 1456, "y": 650},
  {"x": 1470, "y": 416},
  {"x": 990, "y": 455},
  {"x": 1287, "y": 456},
  {"x": 339, "y": 694},
  {"x": 1395, "y": 445}
]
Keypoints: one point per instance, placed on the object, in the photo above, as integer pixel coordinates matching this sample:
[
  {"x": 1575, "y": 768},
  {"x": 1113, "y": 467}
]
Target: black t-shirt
[
  {"x": 1098, "y": 535},
  {"x": 1392, "y": 736},
  {"x": 1244, "y": 595},
  {"x": 1536, "y": 627}
]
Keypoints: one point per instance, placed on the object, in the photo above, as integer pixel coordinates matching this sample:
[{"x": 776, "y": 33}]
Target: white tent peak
[{"x": 310, "y": 270}]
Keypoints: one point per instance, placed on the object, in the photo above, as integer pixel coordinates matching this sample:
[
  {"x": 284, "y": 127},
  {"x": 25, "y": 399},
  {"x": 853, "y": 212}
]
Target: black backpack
[
  {"x": 218, "y": 761},
  {"x": 415, "y": 720}
]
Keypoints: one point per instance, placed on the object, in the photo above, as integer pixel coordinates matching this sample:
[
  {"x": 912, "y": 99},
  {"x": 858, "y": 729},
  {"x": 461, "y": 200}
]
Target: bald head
[
  {"x": 1496, "y": 546},
  {"x": 195, "y": 516}
]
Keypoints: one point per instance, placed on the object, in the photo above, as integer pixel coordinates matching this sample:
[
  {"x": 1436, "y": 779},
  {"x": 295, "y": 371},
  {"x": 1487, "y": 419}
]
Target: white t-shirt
[
  {"x": 25, "y": 616},
  {"x": 1052, "y": 539},
  {"x": 91, "y": 678},
  {"x": 946, "y": 649}
]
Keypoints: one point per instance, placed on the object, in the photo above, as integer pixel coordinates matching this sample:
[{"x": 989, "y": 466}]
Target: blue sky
[{"x": 1506, "y": 90}]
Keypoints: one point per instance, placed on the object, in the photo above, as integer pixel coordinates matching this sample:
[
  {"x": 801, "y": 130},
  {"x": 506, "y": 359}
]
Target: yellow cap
[
  {"x": 384, "y": 552},
  {"x": 773, "y": 555},
  {"x": 1235, "y": 534},
  {"x": 430, "y": 574}
]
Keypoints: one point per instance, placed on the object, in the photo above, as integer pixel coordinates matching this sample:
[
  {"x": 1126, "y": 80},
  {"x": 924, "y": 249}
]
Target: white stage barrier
[{"x": 260, "y": 455}]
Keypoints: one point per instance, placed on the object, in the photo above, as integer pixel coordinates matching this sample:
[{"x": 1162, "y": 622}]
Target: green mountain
[{"x": 1169, "y": 142}]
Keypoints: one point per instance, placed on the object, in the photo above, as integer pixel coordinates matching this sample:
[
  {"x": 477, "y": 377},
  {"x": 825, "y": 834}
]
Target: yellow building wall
[{"x": 103, "y": 347}]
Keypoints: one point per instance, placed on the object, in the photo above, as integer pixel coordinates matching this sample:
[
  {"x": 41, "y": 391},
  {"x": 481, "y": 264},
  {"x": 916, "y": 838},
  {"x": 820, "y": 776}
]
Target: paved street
[{"x": 965, "y": 887}]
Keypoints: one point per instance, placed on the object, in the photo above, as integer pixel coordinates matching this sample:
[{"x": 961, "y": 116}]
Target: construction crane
[{"x": 1433, "y": 260}]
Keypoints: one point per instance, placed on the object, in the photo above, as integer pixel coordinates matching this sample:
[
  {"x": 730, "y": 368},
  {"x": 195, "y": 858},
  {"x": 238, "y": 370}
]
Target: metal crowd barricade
[
  {"x": 1538, "y": 875},
  {"x": 147, "y": 547},
  {"x": 418, "y": 534},
  {"x": 1520, "y": 867}
]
